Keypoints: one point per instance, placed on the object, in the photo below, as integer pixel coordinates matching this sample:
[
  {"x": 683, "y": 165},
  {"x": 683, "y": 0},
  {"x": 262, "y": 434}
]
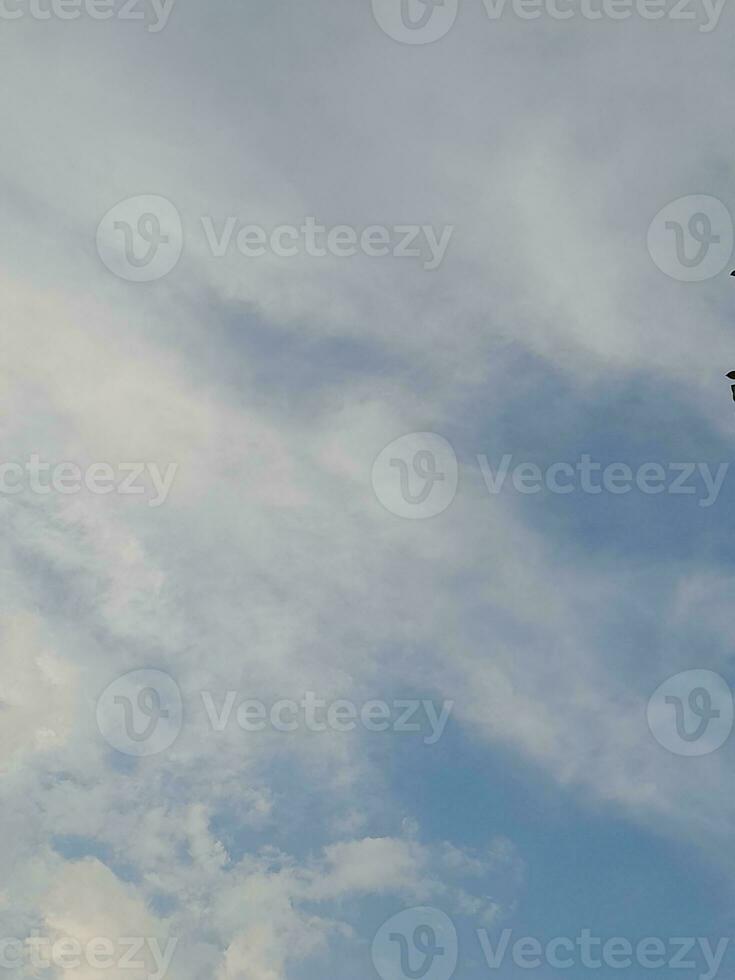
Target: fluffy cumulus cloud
[
  {"x": 38, "y": 695},
  {"x": 246, "y": 399}
]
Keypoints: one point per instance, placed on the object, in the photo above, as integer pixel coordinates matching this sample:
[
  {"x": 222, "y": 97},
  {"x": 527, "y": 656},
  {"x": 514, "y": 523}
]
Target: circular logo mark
[
  {"x": 141, "y": 713},
  {"x": 416, "y": 476},
  {"x": 691, "y": 239},
  {"x": 691, "y": 713},
  {"x": 418, "y": 944},
  {"x": 141, "y": 239},
  {"x": 415, "y": 21}
]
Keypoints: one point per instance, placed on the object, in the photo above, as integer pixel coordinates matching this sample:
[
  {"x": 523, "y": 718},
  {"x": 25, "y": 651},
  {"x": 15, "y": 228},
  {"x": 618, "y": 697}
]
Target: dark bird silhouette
[{"x": 731, "y": 374}]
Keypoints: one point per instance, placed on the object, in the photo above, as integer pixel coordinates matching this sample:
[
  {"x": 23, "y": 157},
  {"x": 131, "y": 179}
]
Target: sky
[{"x": 365, "y": 487}]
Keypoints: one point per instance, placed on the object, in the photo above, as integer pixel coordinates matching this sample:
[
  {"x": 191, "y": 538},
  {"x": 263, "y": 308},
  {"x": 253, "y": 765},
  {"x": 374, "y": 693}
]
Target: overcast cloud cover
[{"x": 272, "y": 567}]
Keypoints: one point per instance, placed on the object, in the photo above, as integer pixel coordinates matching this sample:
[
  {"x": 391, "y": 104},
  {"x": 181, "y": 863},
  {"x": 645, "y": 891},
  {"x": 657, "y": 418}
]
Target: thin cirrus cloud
[{"x": 273, "y": 385}]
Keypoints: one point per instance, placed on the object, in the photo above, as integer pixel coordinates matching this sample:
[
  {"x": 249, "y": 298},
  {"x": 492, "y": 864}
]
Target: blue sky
[{"x": 308, "y": 436}]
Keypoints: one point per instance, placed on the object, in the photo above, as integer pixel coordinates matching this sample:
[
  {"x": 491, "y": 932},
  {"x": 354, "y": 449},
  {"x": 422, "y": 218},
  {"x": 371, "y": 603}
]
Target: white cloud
[{"x": 273, "y": 385}]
